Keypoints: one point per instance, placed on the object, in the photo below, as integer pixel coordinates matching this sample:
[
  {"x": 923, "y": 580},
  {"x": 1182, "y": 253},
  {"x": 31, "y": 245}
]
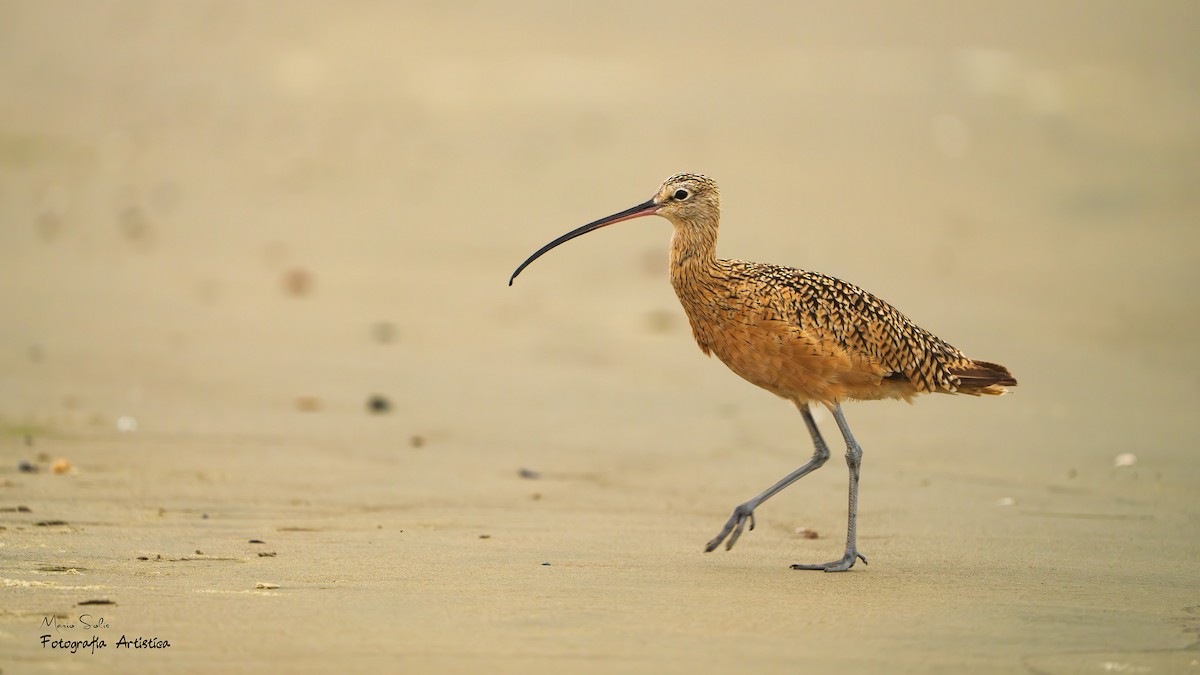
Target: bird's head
[
  {"x": 688, "y": 197},
  {"x": 685, "y": 199}
]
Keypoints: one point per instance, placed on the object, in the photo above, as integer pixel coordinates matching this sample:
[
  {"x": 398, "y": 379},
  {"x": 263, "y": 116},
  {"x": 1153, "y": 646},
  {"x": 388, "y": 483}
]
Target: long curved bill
[{"x": 644, "y": 209}]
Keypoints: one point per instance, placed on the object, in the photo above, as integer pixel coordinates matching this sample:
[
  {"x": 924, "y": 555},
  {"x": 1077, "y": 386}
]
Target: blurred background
[
  {"x": 253, "y": 265},
  {"x": 210, "y": 209}
]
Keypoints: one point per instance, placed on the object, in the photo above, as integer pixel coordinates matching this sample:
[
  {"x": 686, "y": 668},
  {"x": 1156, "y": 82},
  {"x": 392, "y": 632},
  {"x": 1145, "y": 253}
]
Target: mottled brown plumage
[
  {"x": 802, "y": 335},
  {"x": 807, "y": 337}
]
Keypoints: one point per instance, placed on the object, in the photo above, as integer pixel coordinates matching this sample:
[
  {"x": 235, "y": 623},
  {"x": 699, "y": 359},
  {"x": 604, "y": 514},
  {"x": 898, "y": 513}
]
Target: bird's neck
[
  {"x": 693, "y": 249},
  {"x": 696, "y": 276},
  {"x": 693, "y": 261}
]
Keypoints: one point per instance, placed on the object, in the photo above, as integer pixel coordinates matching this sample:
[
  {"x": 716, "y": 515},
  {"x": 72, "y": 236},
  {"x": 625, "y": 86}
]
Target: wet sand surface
[{"x": 227, "y": 227}]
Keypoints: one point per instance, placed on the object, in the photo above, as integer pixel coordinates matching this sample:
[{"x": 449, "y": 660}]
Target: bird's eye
[{"x": 681, "y": 195}]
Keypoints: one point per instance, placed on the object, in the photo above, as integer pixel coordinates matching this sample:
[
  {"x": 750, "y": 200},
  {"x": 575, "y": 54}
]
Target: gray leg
[
  {"x": 853, "y": 462},
  {"x": 744, "y": 512}
]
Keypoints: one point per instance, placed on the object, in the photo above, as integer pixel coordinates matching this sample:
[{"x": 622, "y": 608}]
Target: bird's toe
[{"x": 846, "y": 562}]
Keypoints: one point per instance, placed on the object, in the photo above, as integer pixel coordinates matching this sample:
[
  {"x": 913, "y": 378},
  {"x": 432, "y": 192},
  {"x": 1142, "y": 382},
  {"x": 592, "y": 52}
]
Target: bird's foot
[
  {"x": 733, "y": 528},
  {"x": 842, "y": 565}
]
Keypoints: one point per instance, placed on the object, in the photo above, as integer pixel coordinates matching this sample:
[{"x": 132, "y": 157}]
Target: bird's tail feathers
[{"x": 984, "y": 378}]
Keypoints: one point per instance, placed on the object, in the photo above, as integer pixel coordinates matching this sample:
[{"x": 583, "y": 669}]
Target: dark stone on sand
[{"x": 378, "y": 404}]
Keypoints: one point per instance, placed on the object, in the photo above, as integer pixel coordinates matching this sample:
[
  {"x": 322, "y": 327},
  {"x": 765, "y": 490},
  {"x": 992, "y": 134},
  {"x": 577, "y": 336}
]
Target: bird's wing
[{"x": 872, "y": 332}]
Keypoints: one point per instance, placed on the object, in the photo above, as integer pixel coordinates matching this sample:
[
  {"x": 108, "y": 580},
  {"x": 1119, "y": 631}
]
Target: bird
[{"x": 807, "y": 337}]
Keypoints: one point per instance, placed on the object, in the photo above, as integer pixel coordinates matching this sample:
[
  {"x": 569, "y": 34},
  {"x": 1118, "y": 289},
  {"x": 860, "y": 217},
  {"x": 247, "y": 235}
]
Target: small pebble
[
  {"x": 529, "y": 474},
  {"x": 127, "y": 424},
  {"x": 263, "y": 584},
  {"x": 545, "y": 564},
  {"x": 266, "y": 554},
  {"x": 199, "y": 552},
  {"x": 297, "y": 282},
  {"x": 1124, "y": 459},
  {"x": 417, "y": 441},
  {"x": 384, "y": 332},
  {"x": 378, "y": 404},
  {"x": 308, "y": 403},
  {"x": 1006, "y": 501},
  {"x": 485, "y": 536},
  {"x": 27, "y": 467},
  {"x": 257, "y": 541},
  {"x": 60, "y": 466},
  {"x": 807, "y": 533}
]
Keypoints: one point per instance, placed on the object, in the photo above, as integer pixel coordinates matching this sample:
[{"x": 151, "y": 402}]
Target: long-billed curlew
[{"x": 804, "y": 336}]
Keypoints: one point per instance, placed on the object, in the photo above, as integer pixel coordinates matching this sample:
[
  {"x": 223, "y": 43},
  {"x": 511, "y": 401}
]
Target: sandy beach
[{"x": 267, "y": 403}]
